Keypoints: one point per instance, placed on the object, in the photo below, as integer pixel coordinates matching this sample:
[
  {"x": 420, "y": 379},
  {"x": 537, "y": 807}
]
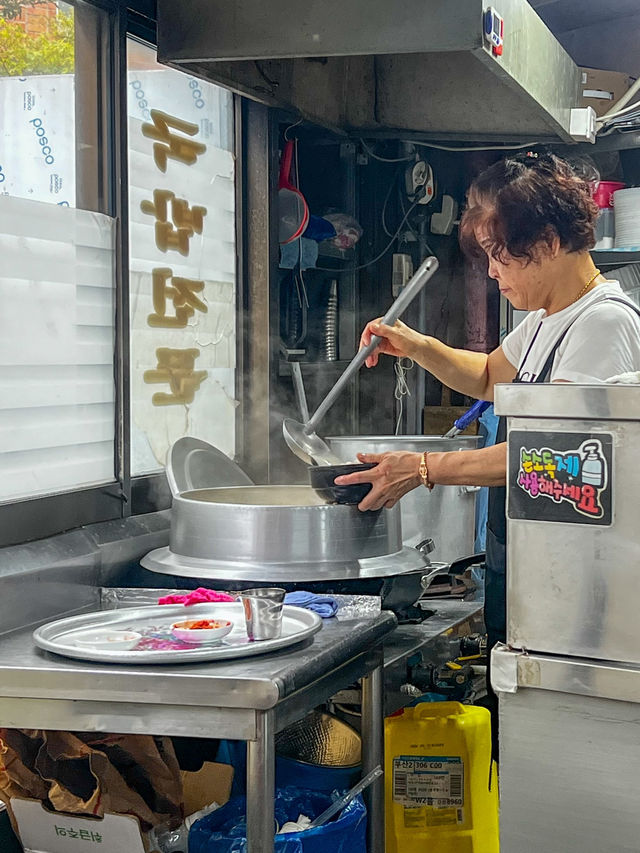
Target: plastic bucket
[
  {"x": 441, "y": 792},
  {"x": 316, "y": 778},
  {"x": 603, "y": 192}
]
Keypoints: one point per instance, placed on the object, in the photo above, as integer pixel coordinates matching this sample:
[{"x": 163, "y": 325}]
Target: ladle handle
[{"x": 409, "y": 292}]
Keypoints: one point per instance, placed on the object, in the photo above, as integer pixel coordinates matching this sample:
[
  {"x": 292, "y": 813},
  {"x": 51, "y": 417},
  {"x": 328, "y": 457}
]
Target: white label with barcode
[{"x": 428, "y": 781}]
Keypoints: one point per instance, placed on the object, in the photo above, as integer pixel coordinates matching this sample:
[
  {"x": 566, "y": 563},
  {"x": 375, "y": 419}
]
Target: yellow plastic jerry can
[{"x": 441, "y": 788}]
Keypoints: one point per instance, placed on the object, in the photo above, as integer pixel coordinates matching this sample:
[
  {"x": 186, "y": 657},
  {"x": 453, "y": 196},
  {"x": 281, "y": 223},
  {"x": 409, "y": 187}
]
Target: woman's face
[{"x": 524, "y": 283}]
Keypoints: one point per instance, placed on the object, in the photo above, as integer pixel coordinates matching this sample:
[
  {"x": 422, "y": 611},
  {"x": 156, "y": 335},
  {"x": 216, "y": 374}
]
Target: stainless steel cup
[{"x": 263, "y": 612}]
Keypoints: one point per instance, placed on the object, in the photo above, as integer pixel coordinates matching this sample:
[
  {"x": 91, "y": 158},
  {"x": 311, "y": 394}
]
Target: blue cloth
[
  {"x": 319, "y": 229},
  {"x": 488, "y": 422},
  {"x": 302, "y": 251},
  {"x": 324, "y": 605}
]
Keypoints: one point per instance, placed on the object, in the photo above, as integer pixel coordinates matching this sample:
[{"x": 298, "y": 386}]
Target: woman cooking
[{"x": 534, "y": 219}]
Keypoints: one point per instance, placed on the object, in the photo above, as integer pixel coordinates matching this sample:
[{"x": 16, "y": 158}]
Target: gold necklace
[{"x": 587, "y": 286}]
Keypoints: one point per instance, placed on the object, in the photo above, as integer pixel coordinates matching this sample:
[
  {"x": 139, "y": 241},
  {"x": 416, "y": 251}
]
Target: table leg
[
  {"x": 261, "y": 780},
  {"x": 373, "y": 755}
]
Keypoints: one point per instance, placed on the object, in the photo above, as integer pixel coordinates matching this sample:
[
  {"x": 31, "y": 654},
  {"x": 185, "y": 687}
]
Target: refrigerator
[{"x": 568, "y": 678}]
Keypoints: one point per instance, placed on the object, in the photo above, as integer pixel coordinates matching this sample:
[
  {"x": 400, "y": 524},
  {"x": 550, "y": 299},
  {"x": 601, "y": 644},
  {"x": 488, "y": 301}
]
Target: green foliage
[
  {"x": 10, "y": 9},
  {"x": 52, "y": 52}
]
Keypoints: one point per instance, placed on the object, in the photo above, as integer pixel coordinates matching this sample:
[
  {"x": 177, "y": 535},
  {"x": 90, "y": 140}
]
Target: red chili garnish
[{"x": 202, "y": 624}]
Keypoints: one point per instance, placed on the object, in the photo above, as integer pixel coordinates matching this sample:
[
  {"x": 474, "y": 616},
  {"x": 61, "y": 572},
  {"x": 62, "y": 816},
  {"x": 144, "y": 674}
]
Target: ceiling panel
[{"x": 564, "y": 15}]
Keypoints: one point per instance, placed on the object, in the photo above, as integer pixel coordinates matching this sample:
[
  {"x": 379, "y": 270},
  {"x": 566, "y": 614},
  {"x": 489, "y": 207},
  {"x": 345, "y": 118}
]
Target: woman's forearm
[
  {"x": 462, "y": 370},
  {"x": 484, "y": 467}
]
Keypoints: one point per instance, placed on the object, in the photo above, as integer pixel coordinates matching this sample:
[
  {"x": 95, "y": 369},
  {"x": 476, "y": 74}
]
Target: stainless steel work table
[{"x": 249, "y": 699}]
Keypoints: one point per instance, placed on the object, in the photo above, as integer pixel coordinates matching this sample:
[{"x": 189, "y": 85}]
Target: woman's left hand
[{"x": 395, "y": 474}]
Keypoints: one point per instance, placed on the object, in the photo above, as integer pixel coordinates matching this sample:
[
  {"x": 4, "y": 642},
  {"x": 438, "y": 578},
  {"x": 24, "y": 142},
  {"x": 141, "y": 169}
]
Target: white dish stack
[{"x": 626, "y": 204}]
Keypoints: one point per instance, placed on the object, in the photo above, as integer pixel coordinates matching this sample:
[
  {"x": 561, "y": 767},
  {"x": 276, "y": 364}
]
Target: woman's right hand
[{"x": 398, "y": 341}]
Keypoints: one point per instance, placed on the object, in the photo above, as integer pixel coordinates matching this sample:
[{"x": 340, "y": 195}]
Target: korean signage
[
  {"x": 560, "y": 476},
  {"x": 182, "y": 238},
  {"x": 41, "y": 830},
  {"x": 182, "y": 264}
]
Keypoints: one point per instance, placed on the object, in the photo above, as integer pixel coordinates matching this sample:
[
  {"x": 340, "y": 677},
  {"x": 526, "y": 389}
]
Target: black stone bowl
[{"x": 321, "y": 478}]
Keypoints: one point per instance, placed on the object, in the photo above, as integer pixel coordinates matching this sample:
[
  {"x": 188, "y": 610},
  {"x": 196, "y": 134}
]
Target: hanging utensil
[
  {"x": 293, "y": 209},
  {"x": 467, "y": 419},
  {"x": 298, "y": 387},
  {"x": 301, "y": 438}
]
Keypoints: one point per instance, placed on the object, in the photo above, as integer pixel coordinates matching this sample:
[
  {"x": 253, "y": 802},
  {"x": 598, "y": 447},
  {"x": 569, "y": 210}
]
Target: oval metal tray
[{"x": 159, "y": 646}]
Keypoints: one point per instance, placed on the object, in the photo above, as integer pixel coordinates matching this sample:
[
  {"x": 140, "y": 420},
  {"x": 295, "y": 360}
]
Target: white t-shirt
[{"x": 604, "y": 340}]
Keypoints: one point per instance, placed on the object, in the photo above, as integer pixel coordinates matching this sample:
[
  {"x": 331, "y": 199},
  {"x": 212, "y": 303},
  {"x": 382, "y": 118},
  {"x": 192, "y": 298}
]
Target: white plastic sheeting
[{"x": 57, "y": 395}]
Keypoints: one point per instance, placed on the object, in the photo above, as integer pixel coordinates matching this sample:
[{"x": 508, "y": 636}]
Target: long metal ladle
[{"x": 302, "y": 438}]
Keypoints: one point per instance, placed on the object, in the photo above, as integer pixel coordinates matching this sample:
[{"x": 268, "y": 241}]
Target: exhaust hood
[{"x": 454, "y": 69}]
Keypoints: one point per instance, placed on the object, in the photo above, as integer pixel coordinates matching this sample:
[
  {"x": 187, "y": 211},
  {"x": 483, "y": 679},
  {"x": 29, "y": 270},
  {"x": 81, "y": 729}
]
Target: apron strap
[{"x": 545, "y": 373}]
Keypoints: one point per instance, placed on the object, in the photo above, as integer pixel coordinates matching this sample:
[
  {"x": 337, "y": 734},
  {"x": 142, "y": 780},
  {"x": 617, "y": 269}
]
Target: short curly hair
[{"x": 526, "y": 200}]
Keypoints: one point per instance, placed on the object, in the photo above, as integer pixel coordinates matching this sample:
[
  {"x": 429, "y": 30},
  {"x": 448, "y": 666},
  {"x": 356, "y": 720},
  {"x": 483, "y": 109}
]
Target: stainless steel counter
[
  {"x": 436, "y": 641},
  {"x": 62, "y": 576},
  {"x": 248, "y": 701}
]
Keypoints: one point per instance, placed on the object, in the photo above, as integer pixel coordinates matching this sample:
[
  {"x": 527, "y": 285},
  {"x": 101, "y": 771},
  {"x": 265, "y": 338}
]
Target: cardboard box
[
  {"x": 211, "y": 784},
  {"x": 43, "y": 831},
  {"x": 438, "y": 420},
  {"x": 601, "y": 89}
]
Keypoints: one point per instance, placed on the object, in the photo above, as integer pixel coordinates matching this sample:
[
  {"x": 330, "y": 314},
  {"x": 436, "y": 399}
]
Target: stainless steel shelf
[{"x": 615, "y": 257}]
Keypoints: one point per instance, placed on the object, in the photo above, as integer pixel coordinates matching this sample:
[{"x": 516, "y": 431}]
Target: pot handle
[
  {"x": 435, "y": 569},
  {"x": 426, "y": 547},
  {"x": 468, "y": 490},
  {"x": 459, "y": 567}
]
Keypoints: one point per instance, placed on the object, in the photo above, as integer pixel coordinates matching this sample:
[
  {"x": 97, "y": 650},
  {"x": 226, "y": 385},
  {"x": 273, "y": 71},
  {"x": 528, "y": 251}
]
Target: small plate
[
  {"x": 106, "y": 638},
  {"x": 182, "y": 631}
]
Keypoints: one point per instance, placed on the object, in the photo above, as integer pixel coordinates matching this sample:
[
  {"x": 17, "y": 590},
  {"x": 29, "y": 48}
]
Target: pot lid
[{"x": 196, "y": 464}]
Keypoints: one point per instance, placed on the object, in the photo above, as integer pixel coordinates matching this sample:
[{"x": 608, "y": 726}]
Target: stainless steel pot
[
  {"x": 446, "y": 514},
  {"x": 279, "y": 534}
]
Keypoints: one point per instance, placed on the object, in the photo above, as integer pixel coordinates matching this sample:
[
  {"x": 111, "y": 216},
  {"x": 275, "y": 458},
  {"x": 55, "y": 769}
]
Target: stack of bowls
[{"x": 627, "y": 214}]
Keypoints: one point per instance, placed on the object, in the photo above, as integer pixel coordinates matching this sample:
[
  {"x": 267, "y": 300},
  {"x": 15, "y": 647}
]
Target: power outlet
[
  {"x": 419, "y": 182},
  {"x": 402, "y": 272}
]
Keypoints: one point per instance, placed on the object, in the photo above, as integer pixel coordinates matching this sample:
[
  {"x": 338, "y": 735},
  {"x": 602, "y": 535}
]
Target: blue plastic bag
[
  {"x": 288, "y": 771},
  {"x": 225, "y": 830}
]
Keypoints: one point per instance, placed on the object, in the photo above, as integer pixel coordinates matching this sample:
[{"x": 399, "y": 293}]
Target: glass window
[
  {"x": 182, "y": 260},
  {"x": 57, "y": 280},
  {"x": 37, "y": 109}
]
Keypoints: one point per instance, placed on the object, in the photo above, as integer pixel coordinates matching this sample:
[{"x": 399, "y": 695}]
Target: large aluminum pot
[
  {"x": 280, "y": 533},
  {"x": 446, "y": 514}
]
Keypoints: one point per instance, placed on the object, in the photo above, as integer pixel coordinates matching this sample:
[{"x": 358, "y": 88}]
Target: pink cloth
[{"x": 196, "y": 596}]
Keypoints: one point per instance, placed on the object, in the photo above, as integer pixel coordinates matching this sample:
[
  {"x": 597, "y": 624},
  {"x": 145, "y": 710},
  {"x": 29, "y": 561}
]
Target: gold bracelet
[{"x": 423, "y": 471}]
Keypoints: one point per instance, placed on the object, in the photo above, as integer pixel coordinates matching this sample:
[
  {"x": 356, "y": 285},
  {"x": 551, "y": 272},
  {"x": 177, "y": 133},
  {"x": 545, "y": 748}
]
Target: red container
[{"x": 603, "y": 193}]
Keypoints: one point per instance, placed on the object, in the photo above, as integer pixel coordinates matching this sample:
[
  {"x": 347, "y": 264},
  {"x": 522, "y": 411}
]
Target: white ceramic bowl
[
  {"x": 106, "y": 639},
  {"x": 181, "y": 631}
]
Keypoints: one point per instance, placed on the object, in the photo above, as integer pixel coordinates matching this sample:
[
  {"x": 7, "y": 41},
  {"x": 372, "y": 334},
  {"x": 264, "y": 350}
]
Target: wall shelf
[{"x": 610, "y": 258}]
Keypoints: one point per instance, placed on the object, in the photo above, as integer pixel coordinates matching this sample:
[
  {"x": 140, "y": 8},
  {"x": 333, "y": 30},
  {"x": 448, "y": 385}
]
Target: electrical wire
[
  {"x": 386, "y": 202},
  {"x": 401, "y": 367},
  {"x": 291, "y": 126},
  {"x": 459, "y": 149},
  {"x": 382, "y": 253},
  {"x": 476, "y": 147},
  {"x": 419, "y": 237},
  {"x": 621, "y": 102},
  {"x": 606, "y": 119},
  {"x": 375, "y": 156}
]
